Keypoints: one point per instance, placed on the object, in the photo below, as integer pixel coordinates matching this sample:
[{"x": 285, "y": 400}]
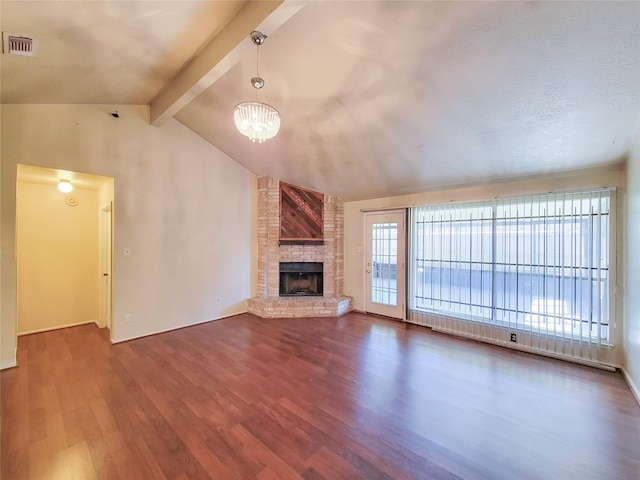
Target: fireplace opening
[{"x": 301, "y": 279}]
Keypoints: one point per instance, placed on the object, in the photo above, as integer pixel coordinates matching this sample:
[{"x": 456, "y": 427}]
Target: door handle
[
  {"x": 368, "y": 271},
  {"x": 105, "y": 274}
]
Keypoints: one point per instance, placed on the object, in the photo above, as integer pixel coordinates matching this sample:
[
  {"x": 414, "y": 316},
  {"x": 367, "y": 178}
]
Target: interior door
[
  {"x": 385, "y": 257},
  {"x": 105, "y": 267}
]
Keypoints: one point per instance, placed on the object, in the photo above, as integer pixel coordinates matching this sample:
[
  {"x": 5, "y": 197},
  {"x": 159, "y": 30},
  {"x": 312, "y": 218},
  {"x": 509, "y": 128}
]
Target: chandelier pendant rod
[{"x": 257, "y": 120}]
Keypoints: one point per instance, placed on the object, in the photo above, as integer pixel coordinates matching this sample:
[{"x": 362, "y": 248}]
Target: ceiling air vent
[{"x": 18, "y": 44}]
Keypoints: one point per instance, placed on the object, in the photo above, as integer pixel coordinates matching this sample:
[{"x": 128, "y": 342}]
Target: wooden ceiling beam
[{"x": 220, "y": 55}]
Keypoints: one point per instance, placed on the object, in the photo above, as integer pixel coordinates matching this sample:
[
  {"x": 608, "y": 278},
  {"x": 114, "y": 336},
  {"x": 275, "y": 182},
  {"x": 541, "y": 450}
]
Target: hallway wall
[{"x": 57, "y": 250}]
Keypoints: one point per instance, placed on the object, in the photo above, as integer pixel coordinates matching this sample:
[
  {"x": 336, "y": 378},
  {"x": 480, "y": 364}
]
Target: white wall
[
  {"x": 632, "y": 287},
  {"x": 57, "y": 250},
  {"x": 354, "y": 262},
  {"x": 183, "y": 208}
]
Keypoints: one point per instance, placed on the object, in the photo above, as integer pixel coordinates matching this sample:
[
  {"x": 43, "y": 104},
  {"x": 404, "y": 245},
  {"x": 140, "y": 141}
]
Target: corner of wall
[
  {"x": 632, "y": 386},
  {"x": 8, "y": 293},
  {"x": 253, "y": 276},
  {"x": 631, "y": 326}
]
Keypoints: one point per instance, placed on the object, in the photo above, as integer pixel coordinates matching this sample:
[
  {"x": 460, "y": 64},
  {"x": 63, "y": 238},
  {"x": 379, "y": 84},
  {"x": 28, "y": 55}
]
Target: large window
[{"x": 539, "y": 264}]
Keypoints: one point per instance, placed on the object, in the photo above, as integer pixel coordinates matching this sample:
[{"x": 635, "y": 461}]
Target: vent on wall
[{"x": 17, "y": 44}]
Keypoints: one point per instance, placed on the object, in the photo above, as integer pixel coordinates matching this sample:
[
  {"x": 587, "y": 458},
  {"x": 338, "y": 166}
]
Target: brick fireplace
[{"x": 271, "y": 253}]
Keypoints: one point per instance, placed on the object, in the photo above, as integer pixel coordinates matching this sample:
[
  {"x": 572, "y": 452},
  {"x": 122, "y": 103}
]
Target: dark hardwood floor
[{"x": 334, "y": 398}]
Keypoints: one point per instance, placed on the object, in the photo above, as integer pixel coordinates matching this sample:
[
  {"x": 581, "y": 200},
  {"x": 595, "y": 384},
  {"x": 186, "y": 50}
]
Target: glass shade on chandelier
[{"x": 257, "y": 120}]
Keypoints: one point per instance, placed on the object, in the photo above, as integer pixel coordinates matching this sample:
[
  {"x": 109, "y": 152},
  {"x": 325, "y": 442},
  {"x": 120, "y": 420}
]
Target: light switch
[{"x": 359, "y": 249}]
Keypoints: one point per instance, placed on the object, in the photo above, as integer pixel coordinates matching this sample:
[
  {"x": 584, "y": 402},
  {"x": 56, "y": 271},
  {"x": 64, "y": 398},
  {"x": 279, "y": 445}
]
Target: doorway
[
  {"x": 385, "y": 256},
  {"x": 63, "y": 246}
]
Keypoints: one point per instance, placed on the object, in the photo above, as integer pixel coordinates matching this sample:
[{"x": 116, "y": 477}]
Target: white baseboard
[
  {"x": 10, "y": 364},
  {"x": 171, "y": 329},
  {"x": 57, "y": 327},
  {"x": 526, "y": 349},
  {"x": 632, "y": 386}
]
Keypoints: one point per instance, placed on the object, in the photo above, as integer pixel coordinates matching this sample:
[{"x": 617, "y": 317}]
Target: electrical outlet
[
  {"x": 217, "y": 299},
  {"x": 514, "y": 338},
  {"x": 127, "y": 317}
]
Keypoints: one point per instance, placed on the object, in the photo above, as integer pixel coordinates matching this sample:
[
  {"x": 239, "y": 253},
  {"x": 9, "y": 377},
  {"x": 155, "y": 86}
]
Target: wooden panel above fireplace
[{"x": 301, "y": 215}]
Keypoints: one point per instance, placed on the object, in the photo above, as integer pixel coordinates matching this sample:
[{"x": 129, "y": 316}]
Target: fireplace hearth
[{"x": 301, "y": 279}]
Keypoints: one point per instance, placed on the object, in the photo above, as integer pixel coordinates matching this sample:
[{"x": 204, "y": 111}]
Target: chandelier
[{"x": 257, "y": 120}]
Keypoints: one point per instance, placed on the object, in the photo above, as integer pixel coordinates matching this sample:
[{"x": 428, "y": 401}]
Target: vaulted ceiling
[{"x": 376, "y": 98}]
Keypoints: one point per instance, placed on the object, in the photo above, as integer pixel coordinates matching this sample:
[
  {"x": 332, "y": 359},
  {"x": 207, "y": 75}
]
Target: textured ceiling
[
  {"x": 377, "y": 98},
  {"x": 385, "y": 98},
  {"x": 104, "y": 52}
]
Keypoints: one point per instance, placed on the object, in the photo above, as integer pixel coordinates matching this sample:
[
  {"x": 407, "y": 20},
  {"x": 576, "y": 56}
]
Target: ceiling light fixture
[
  {"x": 65, "y": 186},
  {"x": 257, "y": 120}
]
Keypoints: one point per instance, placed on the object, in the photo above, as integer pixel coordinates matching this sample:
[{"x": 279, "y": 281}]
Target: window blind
[{"x": 537, "y": 264}]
